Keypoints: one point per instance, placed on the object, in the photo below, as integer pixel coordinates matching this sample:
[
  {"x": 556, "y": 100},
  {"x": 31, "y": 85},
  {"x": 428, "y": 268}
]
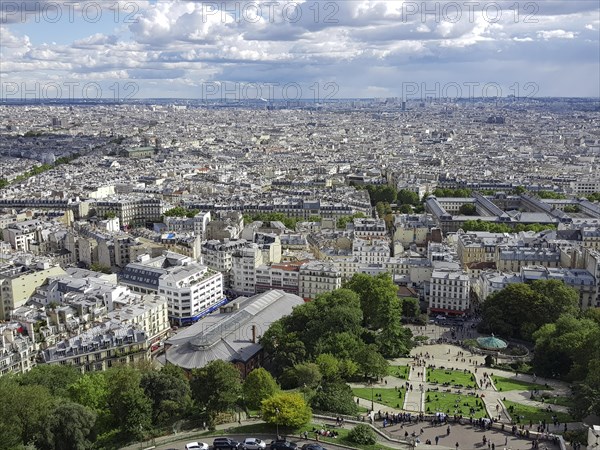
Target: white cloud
[{"x": 556, "y": 34}]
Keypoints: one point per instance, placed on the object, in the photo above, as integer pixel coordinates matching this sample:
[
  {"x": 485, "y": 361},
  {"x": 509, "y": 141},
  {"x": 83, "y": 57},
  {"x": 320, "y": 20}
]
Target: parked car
[
  {"x": 226, "y": 444},
  {"x": 312, "y": 446},
  {"x": 283, "y": 445},
  {"x": 254, "y": 444},
  {"x": 196, "y": 446}
]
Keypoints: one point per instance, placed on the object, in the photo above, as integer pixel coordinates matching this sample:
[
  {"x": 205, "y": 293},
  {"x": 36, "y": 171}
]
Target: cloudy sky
[{"x": 309, "y": 49}]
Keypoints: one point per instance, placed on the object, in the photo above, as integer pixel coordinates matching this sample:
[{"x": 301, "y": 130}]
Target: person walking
[
  {"x": 437, "y": 439},
  {"x": 456, "y": 445}
]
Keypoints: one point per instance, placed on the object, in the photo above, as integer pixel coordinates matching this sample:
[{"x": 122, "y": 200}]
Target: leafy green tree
[
  {"x": 283, "y": 347},
  {"x": 362, "y": 434},
  {"x": 97, "y": 267},
  {"x": 329, "y": 366},
  {"x": 519, "y": 190},
  {"x": 520, "y": 309},
  {"x": 343, "y": 345},
  {"x": 377, "y": 294},
  {"x": 335, "y": 397},
  {"x": 586, "y": 400},
  {"x": 25, "y": 409},
  {"x": 371, "y": 363},
  {"x": 550, "y": 194},
  {"x": 56, "y": 378},
  {"x": 410, "y": 307},
  {"x": 308, "y": 374},
  {"x": 405, "y": 209},
  {"x": 170, "y": 395},
  {"x": 467, "y": 209},
  {"x": 216, "y": 387},
  {"x": 406, "y": 197},
  {"x": 259, "y": 384},
  {"x": 69, "y": 427},
  {"x": 137, "y": 412},
  {"x": 286, "y": 409},
  {"x": 556, "y": 344},
  {"x": 91, "y": 390},
  {"x": 130, "y": 409}
]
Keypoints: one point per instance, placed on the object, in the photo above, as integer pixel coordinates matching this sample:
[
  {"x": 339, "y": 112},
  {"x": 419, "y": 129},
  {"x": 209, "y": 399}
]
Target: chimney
[{"x": 254, "y": 334}]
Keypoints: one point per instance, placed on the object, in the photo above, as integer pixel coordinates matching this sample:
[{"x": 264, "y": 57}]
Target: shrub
[{"x": 362, "y": 434}]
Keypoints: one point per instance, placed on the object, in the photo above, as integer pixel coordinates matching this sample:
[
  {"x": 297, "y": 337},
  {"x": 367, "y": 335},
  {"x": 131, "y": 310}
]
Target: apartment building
[
  {"x": 192, "y": 290},
  {"x": 101, "y": 347},
  {"x": 317, "y": 277},
  {"x": 368, "y": 228},
  {"x": 283, "y": 276},
  {"x": 219, "y": 256},
  {"x": 245, "y": 261},
  {"x": 132, "y": 210},
  {"x": 21, "y": 235},
  {"x": 18, "y": 282},
  {"x": 17, "y": 350},
  {"x": 197, "y": 224},
  {"x": 375, "y": 251},
  {"x": 512, "y": 258},
  {"x": 475, "y": 247},
  {"x": 449, "y": 292}
]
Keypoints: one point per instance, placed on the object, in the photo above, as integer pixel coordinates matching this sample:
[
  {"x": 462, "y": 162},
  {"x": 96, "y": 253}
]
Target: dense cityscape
[{"x": 310, "y": 225}]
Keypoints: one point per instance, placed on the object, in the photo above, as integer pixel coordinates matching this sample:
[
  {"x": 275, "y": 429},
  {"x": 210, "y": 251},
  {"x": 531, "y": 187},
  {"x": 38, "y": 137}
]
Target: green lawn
[
  {"x": 562, "y": 401},
  {"x": 510, "y": 384},
  {"x": 398, "y": 371},
  {"x": 524, "y": 413},
  {"x": 454, "y": 404},
  {"x": 453, "y": 377},
  {"x": 389, "y": 397}
]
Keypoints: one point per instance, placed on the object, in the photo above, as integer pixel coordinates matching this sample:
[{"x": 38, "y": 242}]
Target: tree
[
  {"x": 216, "y": 387},
  {"x": 410, "y": 307},
  {"x": 286, "y": 409},
  {"x": 137, "y": 412},
  {"x": 24, "y": 412},
  {"x": 130, "y": 409},
  {"x": 467, "y": 209},
  {"x": 371, "y": 363},
  {"x": 335, "y": 397},
  {"x": 259, "y": 384},
  {"x": 91, "y": 390},
  {"x": 69, "y": 427},
  {"x": 376, "y": 294},
  {"x": 405, "y": 209},
  {"x": 307, "y": 374},
  {"x": 520, "y": 309},
  {"x": 170, "y": 395},
  {"x": 56, "y": 378},
  {"x": 406, "y": 197},
  {"x": 329, "y": 366},
  {"x": 283, "y": 347},
  {"x": 362, "y": 434},
  {"x": 97, "y": 267}
]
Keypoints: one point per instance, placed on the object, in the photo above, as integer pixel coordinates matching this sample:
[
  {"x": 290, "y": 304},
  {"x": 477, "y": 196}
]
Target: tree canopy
[
  {"x": 286, "y": 409},
  {"x": 259, "y": 384},
  {"x": 519, "y": 309}
]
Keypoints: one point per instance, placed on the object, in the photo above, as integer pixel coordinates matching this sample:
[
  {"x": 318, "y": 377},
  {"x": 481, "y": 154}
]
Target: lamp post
[
  {"x": 277, "y": 421},
  {"x": 372, "y": 404}
]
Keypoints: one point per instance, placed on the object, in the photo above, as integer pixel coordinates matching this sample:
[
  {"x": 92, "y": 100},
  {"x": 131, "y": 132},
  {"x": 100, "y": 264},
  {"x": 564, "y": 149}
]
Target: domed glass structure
[{"x": 491, "y": 343}]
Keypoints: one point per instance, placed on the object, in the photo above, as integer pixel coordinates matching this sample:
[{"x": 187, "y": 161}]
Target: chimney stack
[{"x": 254, "y": 334}]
